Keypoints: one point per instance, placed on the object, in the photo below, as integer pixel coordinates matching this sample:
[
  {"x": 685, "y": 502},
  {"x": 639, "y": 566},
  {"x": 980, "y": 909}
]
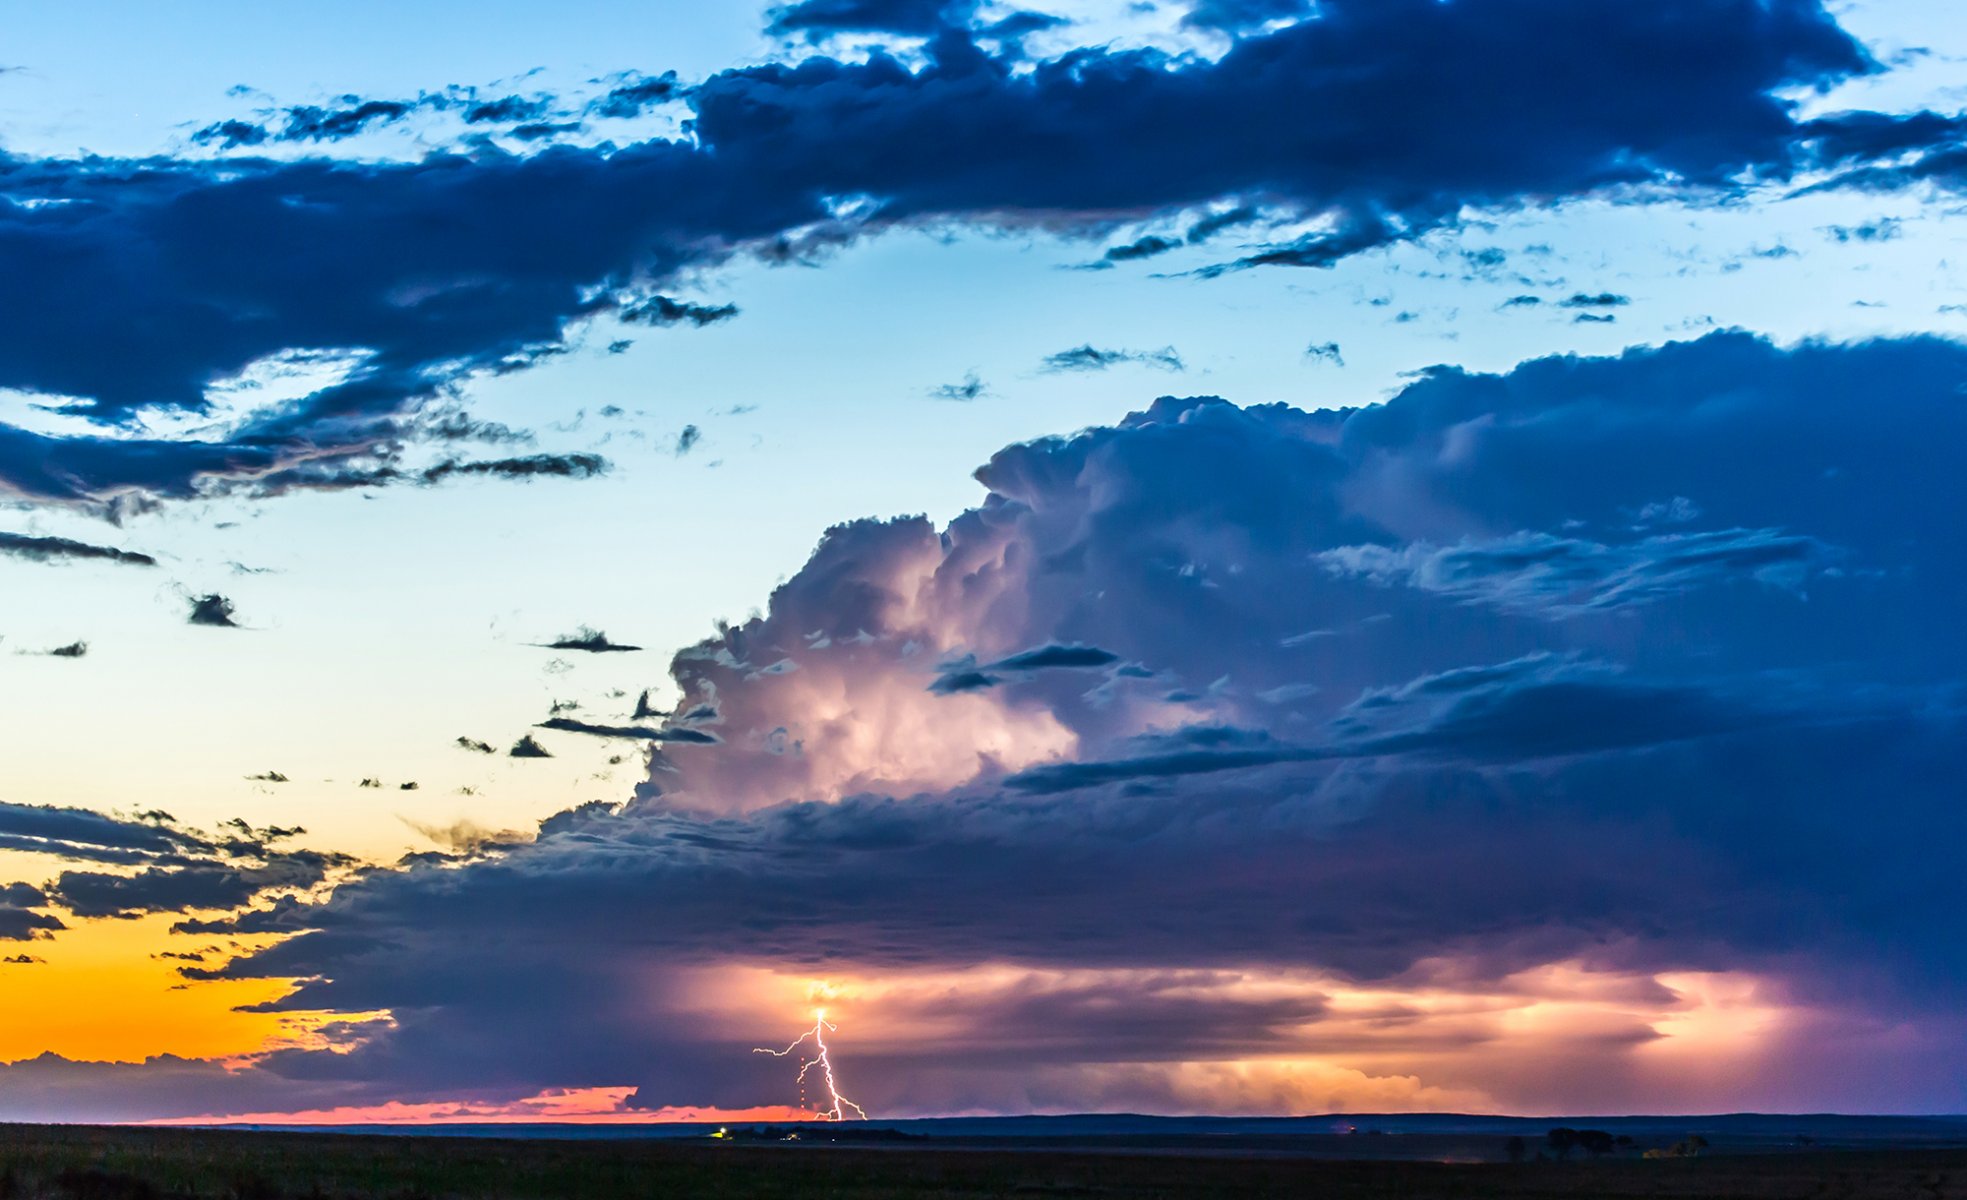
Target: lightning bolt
[{"x": 817, "y": 1036}]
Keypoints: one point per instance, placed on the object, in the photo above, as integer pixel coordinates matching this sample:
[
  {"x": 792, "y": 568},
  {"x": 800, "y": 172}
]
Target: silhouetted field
[{"x": 50, "y": 1163}]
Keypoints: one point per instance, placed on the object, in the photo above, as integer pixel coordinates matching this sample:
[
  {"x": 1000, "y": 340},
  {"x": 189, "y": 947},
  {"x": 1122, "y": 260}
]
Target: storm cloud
[{"x": 1173, "y": 808}]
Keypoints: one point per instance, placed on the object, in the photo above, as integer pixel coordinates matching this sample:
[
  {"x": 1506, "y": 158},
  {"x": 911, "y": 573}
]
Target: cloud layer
[
  {"x": 1369, "y": 123},
  {"x": 1264, "y": 802}
]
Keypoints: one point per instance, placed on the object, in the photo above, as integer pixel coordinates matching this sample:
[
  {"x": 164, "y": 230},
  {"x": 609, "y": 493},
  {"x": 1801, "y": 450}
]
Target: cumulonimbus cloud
[{"x": 1174, "y": 801}]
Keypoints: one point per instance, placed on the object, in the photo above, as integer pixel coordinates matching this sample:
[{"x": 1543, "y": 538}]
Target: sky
[{"x": 1201, "y": 556}]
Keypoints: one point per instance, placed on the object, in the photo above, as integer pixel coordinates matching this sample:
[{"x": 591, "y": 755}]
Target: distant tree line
[{"x": 1560, "y": 1142}]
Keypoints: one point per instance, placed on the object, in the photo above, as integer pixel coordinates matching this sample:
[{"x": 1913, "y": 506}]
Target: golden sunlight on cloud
[{"x": 1238, "y": 1042}]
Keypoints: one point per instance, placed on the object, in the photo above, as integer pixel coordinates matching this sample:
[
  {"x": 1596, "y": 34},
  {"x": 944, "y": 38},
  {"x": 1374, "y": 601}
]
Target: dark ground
[{"x": 77, "y": 1163}]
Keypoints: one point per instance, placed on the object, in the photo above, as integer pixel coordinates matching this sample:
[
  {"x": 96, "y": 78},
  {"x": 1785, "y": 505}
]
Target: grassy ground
[{"x": 39, "y": 1163}]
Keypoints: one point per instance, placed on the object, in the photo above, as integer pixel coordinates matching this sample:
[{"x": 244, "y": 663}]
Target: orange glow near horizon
[
  {"x": 100, "y": 995},
  {"x": 555, "y": 1106}
]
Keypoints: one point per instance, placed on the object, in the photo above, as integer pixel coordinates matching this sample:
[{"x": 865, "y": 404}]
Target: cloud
[
  {"x": 1236, "y": 15},
  {"x": 1053, "y": 656},
  {"x": 962, "y": 393},
  {"x": 212, "y": 610},
  {"x": 588, "y": 641},
  {"x": 1092, "y": 358},
  {"x": 816, "y": 19},
  {"x": 1547, "y": 789},
  {"x": 251, "y": 259},
  {"x": 182, "y": 888},
  {"x": 60, "y": 549},
  {"x": 1560, "y": 576},
  {"x": 507, "y": 110},
  {"x": 1022, "y": 23},
  {"x": 1325, "y": 352},
  {"x": 526, "y": 747},
  {"x": 1881, "y": 229},
  {"x": 632, "y": 732},
  {"x": 1594, "y": 300},
  {"x": 63, "y": 831},
  {"x": 635, "y": 94},
  {"x": 563, "y": 466},
  {"x": 850, "y": 822},
  {"x": 176, "y": 869},
  {"x": 662, "y": 311},
  {"x": 18, "y": 920},
  {"x": 1148, "y": 246},
  {"x": 343, "y": 475}
]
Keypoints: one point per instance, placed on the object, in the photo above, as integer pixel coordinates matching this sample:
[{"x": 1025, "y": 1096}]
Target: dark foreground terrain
[{"x": 52, "y": 1163}]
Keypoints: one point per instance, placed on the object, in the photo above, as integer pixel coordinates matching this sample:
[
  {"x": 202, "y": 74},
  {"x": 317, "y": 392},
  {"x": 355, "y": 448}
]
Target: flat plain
[{"x": 120, "y": 1163}]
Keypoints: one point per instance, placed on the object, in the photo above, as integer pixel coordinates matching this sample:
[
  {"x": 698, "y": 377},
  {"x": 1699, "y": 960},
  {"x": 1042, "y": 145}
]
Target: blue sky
[{"x": 915, "y": 234}]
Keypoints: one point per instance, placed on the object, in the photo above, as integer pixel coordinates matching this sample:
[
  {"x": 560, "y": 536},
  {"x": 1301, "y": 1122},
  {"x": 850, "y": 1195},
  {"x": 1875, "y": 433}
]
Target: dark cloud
[
  {"x": 1325, "y": 352},
  {"x": 176, "y": 868},
  {"x": 231, "y": 134},
  {"x": 181, "y": 888},
  {"x": 18, "y": 920},
  {"x": 532, "y": 466},
  {"x": 21, "y": 895},
  {"x": 60, "y": 549},
  {"x": 63, "y": 831},
  {"x": 1053, "y": 655},
  {"x": 320, "y": 123},
  {"x": 1911, "y": 149},
  {"x": 589, "y": 641},
  {"x": 1211, "y": 224},
  {"x": 1148, "y": 246},
  {"x": 635, "y": 95},
  {"x": 1595, "y": 300},
  {"x": 507, "y": 110},
  {"x": 475, "y": 746},
  {"x": 541, "y": 131},
  {"x": 351, "y": 116},
  {"x": 687, "y": 440},
  {"x": 334, "y": 476},
  {"x": 526, "y": 747},
  {"x": 817, "y": 19},
  {"x": 961, "y": 393},
  {"x": 1022, "y": 24},
  {"x": 633, "y": 732},
  {"x": 661, "y": 310},
  {"x": 1092, "y": 358},
  {"x": 70, "y": 650},
  {"x": 963, "y": 679},
  {"x": 249, "y": 259},
  {"x": 212, "y": 609}
]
